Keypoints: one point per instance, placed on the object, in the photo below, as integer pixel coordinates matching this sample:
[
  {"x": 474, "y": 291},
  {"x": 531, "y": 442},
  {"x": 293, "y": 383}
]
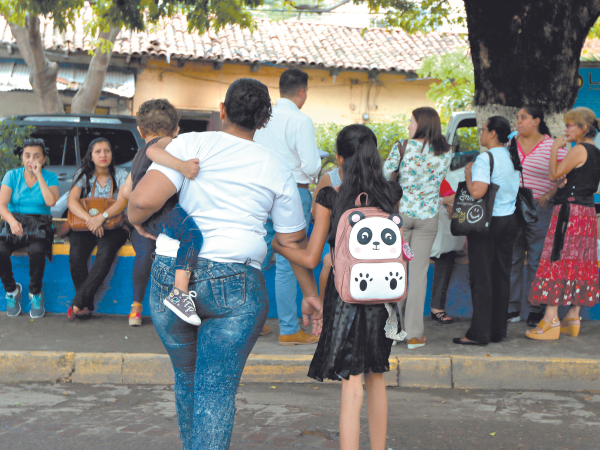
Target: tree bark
[
  {"x": 527, "y": 53},
  {"x": 88, "y": 94},
  {"x": 43, "y": 72}
]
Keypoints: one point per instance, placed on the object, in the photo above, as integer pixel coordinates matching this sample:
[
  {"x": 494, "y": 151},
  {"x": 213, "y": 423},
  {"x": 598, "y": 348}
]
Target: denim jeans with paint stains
[{"x": 208, "y": 360}]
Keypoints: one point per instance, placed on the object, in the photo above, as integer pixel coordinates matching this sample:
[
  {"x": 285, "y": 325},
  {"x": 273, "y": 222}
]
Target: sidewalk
[{"x": 107, "y": 350}]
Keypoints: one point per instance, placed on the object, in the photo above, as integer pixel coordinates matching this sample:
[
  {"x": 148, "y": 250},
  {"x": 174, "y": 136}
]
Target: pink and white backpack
[{"x": 370, "y": 257}]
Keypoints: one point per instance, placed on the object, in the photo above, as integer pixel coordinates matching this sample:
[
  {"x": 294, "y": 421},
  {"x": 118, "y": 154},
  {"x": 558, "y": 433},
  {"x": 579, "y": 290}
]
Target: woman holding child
[{"x": 97, "y": 177}]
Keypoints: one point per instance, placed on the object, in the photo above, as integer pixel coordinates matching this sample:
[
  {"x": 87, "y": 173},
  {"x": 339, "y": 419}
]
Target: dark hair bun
[{"x": 248, "y": 103}]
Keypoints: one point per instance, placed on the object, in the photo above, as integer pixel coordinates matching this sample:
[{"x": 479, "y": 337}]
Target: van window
[
  {"x": 60, "y": 143},
  {"x": 123, "y": 142},
  {"x": 466, "y": 138}
]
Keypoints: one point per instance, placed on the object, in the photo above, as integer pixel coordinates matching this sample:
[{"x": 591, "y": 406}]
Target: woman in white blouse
[{"x": 422, "y": 170}]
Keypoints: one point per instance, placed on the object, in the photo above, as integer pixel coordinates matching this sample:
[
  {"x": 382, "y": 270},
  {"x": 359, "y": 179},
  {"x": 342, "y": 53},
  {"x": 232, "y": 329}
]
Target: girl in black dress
[{"x": 353, "y": 341}]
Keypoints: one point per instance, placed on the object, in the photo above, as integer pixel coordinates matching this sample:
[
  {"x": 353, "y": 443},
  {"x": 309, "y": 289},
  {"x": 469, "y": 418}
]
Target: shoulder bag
[
  {"x": 526, "y": 212},
  {"x": 395, "y": 176},
  {"x": 94, "y": 206},
  {"x": 470, "y": 216}
]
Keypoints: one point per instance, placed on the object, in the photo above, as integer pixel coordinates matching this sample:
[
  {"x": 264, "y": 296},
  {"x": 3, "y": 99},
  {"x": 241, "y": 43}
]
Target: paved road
[{"x": 276, "y": 417}]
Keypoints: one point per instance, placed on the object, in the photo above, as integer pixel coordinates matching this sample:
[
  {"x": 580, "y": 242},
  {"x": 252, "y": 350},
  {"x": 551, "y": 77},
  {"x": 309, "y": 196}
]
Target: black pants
[
  {"x": 490, "y": 262},
  {"x": 37, "y": 252},
  {"x": 442, "y": 272},
  {"x": 142, "y": 264},
  {"x": 82, "y": 244}
]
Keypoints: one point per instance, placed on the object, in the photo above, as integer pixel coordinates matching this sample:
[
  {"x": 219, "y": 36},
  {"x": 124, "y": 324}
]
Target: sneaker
[
  {"x": 13, "y": 302},
  {"x": 416, "y": 343},
  {"x": 37, "y": 306},
  {"x": 299, "y": 338},
  {"x": 514, "y": 317},
  {"x": 183, "y": 305}
]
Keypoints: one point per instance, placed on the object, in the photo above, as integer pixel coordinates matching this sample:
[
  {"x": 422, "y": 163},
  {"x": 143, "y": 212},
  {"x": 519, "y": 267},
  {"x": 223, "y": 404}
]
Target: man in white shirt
[{"x": 291, "y": 134}]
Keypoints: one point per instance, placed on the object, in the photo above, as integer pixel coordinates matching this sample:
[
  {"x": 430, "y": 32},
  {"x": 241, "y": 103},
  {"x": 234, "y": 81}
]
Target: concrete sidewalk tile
[
  {"x": 555, "y": 374},
  {"x": 98, "y": 368},
  {"x": 19, "y": 367},
  {"x": 425, "y": 372},
  {"x": 147, "y": 368}
]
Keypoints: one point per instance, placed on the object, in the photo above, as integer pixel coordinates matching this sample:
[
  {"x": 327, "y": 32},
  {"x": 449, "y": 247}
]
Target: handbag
[
  {"x": 470, "y": 216},
  {"x": 395, "y": 175},
  {"x": 94, "y": 206},
  {"x": 35, "y": 226},
  {"x": 526, "y": 212}
]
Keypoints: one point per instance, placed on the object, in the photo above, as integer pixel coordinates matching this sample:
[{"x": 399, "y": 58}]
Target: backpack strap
[{"x": 357, "y": 202}]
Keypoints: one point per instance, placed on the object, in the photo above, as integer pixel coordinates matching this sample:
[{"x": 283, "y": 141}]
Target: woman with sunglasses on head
[
  {"x": 26, "y": 196},
  {"x": 97, "y": 177},
  {"x": 568, "y": 271}
]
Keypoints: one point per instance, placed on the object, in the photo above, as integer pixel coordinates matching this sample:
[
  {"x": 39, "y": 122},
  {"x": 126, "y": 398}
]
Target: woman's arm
[
  {"x": 50, "y": 194},
  {"x": 477, "y": 189},
  {"x": 324, "y": 181},
  {"x": 576, "y": 157},
  {"x": 95, "y": 223},
  {"x": 311, "y": 256},
  {"x": 157, "y": 153},
  {"x": 153, "y": 190},
  {"x": 74, "y": 205},
  {"x": 127, "y": 187},
  {"x": 392, "y": 162},
  {"x": 15, "y": 226}
]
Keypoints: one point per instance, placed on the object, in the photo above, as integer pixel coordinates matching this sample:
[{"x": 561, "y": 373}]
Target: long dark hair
[
  {"x": 88, "y": 167},
  {"x": 363, "y": 172},
  {"x": 537, "y": 113},
  {"x": 429, "y": 128},
  {"x": 501, "y": 126}
]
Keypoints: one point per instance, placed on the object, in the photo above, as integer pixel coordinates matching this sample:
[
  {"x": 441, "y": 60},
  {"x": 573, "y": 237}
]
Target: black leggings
[
  {"x": 37, "y": 251},
  {"x": 82, "y": 244}
]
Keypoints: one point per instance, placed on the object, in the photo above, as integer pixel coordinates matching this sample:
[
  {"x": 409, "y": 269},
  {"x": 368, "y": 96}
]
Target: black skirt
[{"x": 353, "y": 339}]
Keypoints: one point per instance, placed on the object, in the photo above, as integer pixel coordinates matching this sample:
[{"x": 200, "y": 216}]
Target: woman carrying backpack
[{"x": 353, "y": 340}]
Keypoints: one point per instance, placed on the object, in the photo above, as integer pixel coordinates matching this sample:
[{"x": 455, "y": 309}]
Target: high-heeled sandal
[
  {"x": 135, "y": 318},
  {"x": 573, "y": 330},
  {"x": 549, "y": 333}
]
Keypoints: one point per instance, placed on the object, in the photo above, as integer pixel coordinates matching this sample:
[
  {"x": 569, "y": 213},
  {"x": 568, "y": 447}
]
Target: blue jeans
[
  {"x": 286, "y": 285},
  {"x": 178, "y": 225},
  {"x": 208, "y": 360},
  {"x": 530, "y": 239}
]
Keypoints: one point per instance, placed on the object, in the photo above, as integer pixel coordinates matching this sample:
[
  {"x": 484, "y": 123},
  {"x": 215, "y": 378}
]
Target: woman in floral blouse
[{"x": 422, "y": 170}]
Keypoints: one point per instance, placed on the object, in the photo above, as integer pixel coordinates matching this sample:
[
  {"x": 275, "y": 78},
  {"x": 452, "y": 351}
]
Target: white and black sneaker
[{"x": 182, "y": 304}]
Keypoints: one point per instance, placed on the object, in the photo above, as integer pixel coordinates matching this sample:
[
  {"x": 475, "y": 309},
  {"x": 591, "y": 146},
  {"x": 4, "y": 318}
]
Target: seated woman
[
  {"x": 26, "y": 196},
  {"x": 97, "y": 177}
]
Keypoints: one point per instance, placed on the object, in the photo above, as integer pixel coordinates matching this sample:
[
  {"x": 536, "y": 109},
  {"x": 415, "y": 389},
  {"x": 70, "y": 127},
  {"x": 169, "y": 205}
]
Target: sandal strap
[{"x": 441, "y": 315}]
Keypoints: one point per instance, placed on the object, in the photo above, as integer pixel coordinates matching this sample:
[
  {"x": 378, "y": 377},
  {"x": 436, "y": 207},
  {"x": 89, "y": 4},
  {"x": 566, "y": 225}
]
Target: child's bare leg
[
  {"x": 182, "y": 281},
  {"x": 377, "y": 408},
  {"x": 352, "y": 400},
  {"x": 324, "y": 275}
]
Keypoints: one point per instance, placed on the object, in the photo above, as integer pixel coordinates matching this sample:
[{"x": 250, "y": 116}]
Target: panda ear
[
  {"x": 355, "y": 217},
  {"x": 397, "y": 219}
]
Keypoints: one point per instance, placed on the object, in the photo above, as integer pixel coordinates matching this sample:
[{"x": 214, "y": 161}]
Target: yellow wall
[{"x": 198, "y": 87}]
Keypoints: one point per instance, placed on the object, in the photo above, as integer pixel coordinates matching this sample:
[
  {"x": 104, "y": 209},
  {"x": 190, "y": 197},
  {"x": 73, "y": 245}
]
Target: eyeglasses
[{"x": 481, "y": 130}]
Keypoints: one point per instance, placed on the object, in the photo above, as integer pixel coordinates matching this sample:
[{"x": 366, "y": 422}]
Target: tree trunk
[
  {"x": 87, "y": 97},
  {"x": 43, "y": 72},
  {"x": 527, "y": 53}
]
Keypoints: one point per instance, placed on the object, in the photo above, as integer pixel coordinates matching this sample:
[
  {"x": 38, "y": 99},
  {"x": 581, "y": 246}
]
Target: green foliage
[
  {"x": 387, "y": 134},
  {"x": 456, "y": 86},
  {"x": 595, "y": 31},
  {"x": 11, "y": 138}
]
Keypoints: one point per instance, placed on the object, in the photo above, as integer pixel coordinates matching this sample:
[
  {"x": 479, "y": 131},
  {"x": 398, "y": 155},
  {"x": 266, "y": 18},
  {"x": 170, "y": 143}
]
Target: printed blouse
[
  {"x": 421, "y": 174},
  {"x": 102, "y": 191}
]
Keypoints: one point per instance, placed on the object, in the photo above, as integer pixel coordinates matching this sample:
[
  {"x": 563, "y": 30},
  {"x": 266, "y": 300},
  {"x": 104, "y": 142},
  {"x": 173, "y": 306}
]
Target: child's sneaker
[
  {"x": 183, "y": 305},
  {"x": 13, "y": 302},
  {"x": 37, "y": 306}
]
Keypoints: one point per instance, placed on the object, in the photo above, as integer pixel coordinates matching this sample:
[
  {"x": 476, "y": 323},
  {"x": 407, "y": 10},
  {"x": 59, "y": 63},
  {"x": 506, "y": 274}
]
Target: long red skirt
[{"x": 573, "y": 279}]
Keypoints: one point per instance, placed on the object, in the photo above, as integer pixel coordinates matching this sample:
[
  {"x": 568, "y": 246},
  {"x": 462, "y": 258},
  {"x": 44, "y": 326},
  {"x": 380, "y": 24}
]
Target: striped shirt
[
  {"x": 536, "y": 167},
  {"x": 291, "y": 134}
]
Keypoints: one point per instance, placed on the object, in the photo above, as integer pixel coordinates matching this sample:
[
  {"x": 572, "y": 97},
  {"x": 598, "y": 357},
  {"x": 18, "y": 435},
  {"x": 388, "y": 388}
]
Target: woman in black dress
[{"x": 353, "y": 341}]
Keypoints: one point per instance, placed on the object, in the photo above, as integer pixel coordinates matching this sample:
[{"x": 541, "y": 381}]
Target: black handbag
[
  {"x": 35, "y": 226},
  {"x": 526, "y": 212},
  {"x": 470, "y": 216}
]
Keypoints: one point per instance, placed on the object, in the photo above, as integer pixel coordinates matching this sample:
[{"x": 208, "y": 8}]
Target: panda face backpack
[{"x": 370, "y": 257}]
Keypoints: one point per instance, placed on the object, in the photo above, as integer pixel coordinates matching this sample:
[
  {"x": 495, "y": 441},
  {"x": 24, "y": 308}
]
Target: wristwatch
[{"x": 105, "y": 215}]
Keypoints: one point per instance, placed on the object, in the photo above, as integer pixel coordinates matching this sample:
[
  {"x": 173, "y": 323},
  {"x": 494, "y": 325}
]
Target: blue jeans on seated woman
[{"x": 208, "y": 360}]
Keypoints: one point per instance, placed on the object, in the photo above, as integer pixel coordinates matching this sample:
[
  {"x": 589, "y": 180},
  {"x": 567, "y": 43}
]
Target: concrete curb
[{"x": 449, "y": 372}]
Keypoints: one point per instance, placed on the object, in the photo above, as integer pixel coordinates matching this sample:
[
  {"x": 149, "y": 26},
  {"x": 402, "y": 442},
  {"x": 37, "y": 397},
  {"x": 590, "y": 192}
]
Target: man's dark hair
[
  {"x": 291, "y": 81},
  {"x": 248, "y": 103},
  {"x": 157, "y": 117}
]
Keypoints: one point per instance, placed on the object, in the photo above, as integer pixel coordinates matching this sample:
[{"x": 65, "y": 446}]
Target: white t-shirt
[{"x": 239, "y": 184}]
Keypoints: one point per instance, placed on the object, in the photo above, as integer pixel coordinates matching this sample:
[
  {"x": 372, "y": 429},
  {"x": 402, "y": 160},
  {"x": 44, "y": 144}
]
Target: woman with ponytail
[
  {"x": 353, "y": 342},
  {"x": 568, "y": 271},
  {"x": 422, "y": 170},
  {"x": 490, "y": 255},
  {"x": 533, "y": 144}
]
